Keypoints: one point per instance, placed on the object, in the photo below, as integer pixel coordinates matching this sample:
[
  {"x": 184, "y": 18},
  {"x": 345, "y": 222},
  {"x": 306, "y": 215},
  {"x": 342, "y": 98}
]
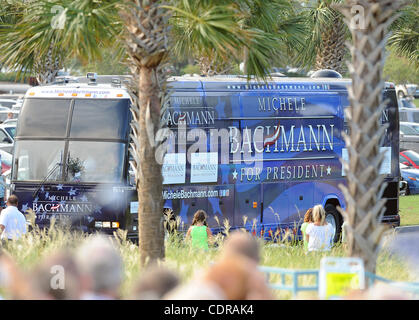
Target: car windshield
[
  {"x": 407, "y": 104},
  {"x": 7, "y": 104},
  {"x": 11, "y": 131},
  {"x": 409, "y": 129},
  {"x": 412, "y": 156}
]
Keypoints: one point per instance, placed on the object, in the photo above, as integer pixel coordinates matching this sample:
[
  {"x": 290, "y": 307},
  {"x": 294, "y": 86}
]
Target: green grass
[
  {"x": 38, "y": 244},
  {"x": 416, "y": 102},
  {"x": 409, "y": 210}
]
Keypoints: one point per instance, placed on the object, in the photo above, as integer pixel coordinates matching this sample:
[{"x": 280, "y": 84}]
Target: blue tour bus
[
  {"x": 255, "y": 154},
  {"x": 278, "y": 151}
]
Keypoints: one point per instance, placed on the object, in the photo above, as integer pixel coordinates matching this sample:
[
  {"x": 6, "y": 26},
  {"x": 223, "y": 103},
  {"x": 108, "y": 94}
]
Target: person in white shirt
[
  {"x": 12, "y": 221},
  {"x": 319, "y": 234}
]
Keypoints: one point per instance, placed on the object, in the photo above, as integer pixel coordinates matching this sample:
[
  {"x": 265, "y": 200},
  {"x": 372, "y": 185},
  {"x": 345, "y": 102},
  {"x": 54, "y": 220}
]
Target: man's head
[
  {"x": 101, "y": 265},
  {"x": 231, "y": 274},
  {"x": 57, "y": 277},
  {"x": 155, "y": 283},
  {"x": 12, "y": 200},
  {"x": 10, "y": 115},
  {"x": 242, "y": 243}
]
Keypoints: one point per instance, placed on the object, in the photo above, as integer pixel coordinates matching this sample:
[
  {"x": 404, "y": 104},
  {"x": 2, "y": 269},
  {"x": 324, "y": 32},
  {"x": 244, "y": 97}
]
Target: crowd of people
[{"x": 94, "y": 270}]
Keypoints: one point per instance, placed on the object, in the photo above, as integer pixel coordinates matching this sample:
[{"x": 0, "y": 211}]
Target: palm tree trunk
[
  {"x": 146, "y": 40},
  {"x": 365, "y": 205},
  {"x": 46, "y": 68},
  {"x": 149, "y": 184},
  {"x": 331, "y": 53}
]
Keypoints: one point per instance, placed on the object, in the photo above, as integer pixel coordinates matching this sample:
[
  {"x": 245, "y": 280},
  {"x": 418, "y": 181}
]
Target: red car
[{"x": 410, "y": 158}]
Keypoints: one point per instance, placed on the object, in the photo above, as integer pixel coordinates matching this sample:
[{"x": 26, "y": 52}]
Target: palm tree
[
  {"x": 326, "y": 34},
  {"x": 35, "y": 41},
  {"x": 211, "y": 30},
  {"x": 363, "y": 194},
  {"x": 405, "y": 37},
  {"x": 266, "y": 28},
  {"x": 93, "y": 24}
]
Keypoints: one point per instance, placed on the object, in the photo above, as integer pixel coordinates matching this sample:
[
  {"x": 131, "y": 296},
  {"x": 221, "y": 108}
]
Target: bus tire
[
  {"x": 335, "y": 219},
  {"x": 407, "y": 191}
]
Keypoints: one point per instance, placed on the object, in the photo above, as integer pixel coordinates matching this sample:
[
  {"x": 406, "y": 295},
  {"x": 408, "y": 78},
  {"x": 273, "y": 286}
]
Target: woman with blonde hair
[{"x": 319, "y": 233}]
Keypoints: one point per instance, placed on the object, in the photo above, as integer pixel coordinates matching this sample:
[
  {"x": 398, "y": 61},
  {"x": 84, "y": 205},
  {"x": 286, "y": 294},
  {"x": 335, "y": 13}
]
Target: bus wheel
[{"x": 334, "y": 218}]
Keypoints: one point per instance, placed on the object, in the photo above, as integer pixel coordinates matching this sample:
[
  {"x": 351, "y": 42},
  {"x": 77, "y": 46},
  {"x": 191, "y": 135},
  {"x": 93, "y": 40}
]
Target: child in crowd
[
  {"x": 199, "y": 232},
  {"x": 319, "y": 233},
  {"x": 308, "y": 218}
]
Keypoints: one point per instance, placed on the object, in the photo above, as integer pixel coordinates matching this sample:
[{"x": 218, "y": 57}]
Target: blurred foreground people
[
  {"x": 227, "y": 279},
  {"x": 379, "y": 291},
  {"x": 101, "y": 269},
  {"x": 235, "y": 276},
  {"x": 154, "y": 283},
  {"x": 12, "y": 221},
  {"x": 15, "y": 281},
  {"x": 244, "y": 244},
  {"x": 57, "y": 277}
]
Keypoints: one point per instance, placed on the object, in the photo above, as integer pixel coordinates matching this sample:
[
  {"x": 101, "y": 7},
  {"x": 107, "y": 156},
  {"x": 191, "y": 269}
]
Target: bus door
[
  {"x": 247, "y": 206},
  {"x": 275, "y": 207},
  {"x": 300, "y": 197}
]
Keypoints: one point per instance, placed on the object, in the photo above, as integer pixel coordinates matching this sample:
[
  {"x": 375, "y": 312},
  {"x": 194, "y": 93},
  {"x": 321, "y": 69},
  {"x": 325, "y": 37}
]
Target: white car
[
  {"x": 406, "y": 90},
  {"x": 409, "y": 115},
  {"x": 8, "y": 103},
  {"x": 7, "y": 135},
  {"x": 409, "y": 136}
]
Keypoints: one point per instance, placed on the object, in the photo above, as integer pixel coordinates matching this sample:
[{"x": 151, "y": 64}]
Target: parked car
[
  {"x": 409, "y": 158},
  {"x": 7, "y": 135},
  {"x": 409, "y": 136},
  {"x": 6, "y": 161},
  {"x": 406, "y": 103},
  {"x": 8, "y": 103},
  {"x": 409, "y": 115},
  {"x": 411, "y": 176},
  {"x": 10, "y": 122},
  {"x": 406, "y": 90},
  {"x": 7, "y": 175}
]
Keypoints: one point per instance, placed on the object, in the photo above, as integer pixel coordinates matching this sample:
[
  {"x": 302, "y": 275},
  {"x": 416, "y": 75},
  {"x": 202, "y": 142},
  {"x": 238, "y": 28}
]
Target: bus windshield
[
  {"x": 94, "y": 161},
  {"x": 71, "y": 140},
  {"x": 87, "y": 161}
]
